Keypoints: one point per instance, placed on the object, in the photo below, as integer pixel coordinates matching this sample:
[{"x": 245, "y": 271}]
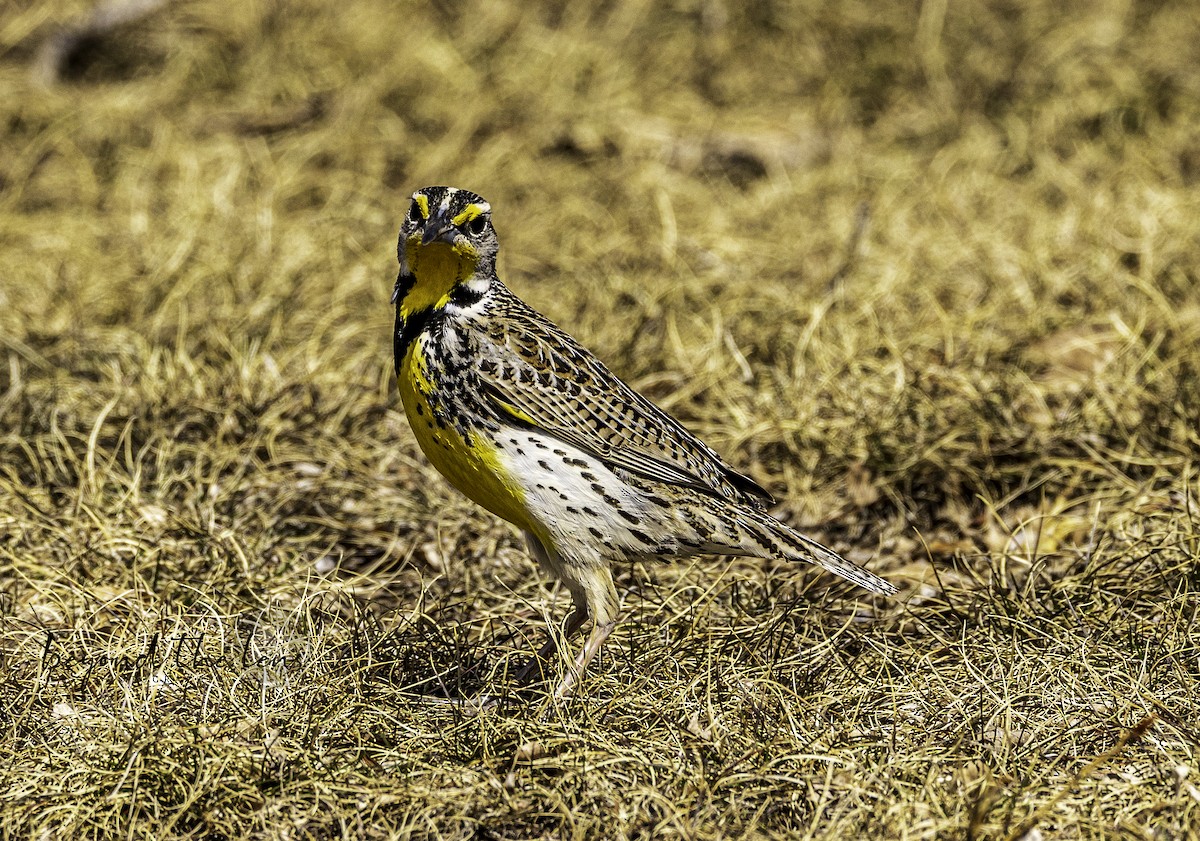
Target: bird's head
[{"x": 447, "y": 244}]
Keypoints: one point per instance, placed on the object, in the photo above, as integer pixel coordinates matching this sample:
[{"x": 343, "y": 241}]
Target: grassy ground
[{"x": 929, "y": 274}]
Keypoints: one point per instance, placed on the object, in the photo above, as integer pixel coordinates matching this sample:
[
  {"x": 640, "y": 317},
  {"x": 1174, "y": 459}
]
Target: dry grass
[{"x": 929, "y": 274}]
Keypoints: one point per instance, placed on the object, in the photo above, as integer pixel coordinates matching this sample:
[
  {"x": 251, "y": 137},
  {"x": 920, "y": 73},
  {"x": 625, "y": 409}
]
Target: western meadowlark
[{"x": 530, "y": 425}]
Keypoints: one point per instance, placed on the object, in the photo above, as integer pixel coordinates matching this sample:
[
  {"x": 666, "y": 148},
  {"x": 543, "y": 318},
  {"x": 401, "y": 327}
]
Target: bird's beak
[{"x": 438, "y": 228}]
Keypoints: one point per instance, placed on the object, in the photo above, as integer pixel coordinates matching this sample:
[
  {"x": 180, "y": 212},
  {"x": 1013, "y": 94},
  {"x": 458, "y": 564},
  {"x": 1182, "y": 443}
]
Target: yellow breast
[{"x": 471, "y": 464}]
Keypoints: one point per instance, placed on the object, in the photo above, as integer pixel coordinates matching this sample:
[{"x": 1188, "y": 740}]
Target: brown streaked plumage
[{"x": 529, "y": 424}]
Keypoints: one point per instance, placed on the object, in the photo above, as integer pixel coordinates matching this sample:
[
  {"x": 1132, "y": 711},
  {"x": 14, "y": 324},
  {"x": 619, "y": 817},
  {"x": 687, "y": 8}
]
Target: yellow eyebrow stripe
[
  {"x": 422, "y": 205},
  {"x": 470, "y": 212}
]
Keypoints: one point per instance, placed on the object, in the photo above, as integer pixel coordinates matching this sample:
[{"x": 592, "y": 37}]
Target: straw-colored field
[{"x": 927, "y": 271}]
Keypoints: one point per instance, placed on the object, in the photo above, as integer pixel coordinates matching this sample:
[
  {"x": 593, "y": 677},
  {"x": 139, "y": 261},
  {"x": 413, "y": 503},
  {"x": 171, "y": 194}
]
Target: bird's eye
[
  {"x": 476, "y": 225},
  {"x": 414, "y": 213}
]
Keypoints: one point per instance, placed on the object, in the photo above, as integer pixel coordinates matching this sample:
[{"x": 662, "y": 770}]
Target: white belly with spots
[{"x": 587, "y": 511}]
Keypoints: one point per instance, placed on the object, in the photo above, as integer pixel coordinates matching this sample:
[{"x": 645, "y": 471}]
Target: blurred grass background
[{"x": 927, "y": 271}]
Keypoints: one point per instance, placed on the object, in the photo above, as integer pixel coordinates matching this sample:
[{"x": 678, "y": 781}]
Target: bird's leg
[
  {"x": 579, "y": 615},
  {"x": 600, "y": 632},
  {"x": 552, "y": 564},
  {"x": 596, "y": 595}
]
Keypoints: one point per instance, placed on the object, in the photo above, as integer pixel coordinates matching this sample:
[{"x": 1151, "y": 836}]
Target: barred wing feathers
[{"x": 539, "y": 376}]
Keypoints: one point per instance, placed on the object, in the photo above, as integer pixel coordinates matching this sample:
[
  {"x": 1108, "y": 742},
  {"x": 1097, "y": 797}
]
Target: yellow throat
[{"x": 437, "y": 267}]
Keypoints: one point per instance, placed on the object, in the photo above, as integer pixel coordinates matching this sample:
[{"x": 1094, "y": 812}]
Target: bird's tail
[
  {"x": 701, "y": 522},
  {"x": 803, "y": 548},
  {"x": 780, "y": 540}
]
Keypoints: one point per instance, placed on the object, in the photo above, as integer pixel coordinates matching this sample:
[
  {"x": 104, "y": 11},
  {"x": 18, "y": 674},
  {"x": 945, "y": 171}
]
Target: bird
[{"x": 527, "y": 423}]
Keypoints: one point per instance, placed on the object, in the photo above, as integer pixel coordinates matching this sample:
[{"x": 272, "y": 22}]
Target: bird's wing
[{"x": 541, "y": 377}]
